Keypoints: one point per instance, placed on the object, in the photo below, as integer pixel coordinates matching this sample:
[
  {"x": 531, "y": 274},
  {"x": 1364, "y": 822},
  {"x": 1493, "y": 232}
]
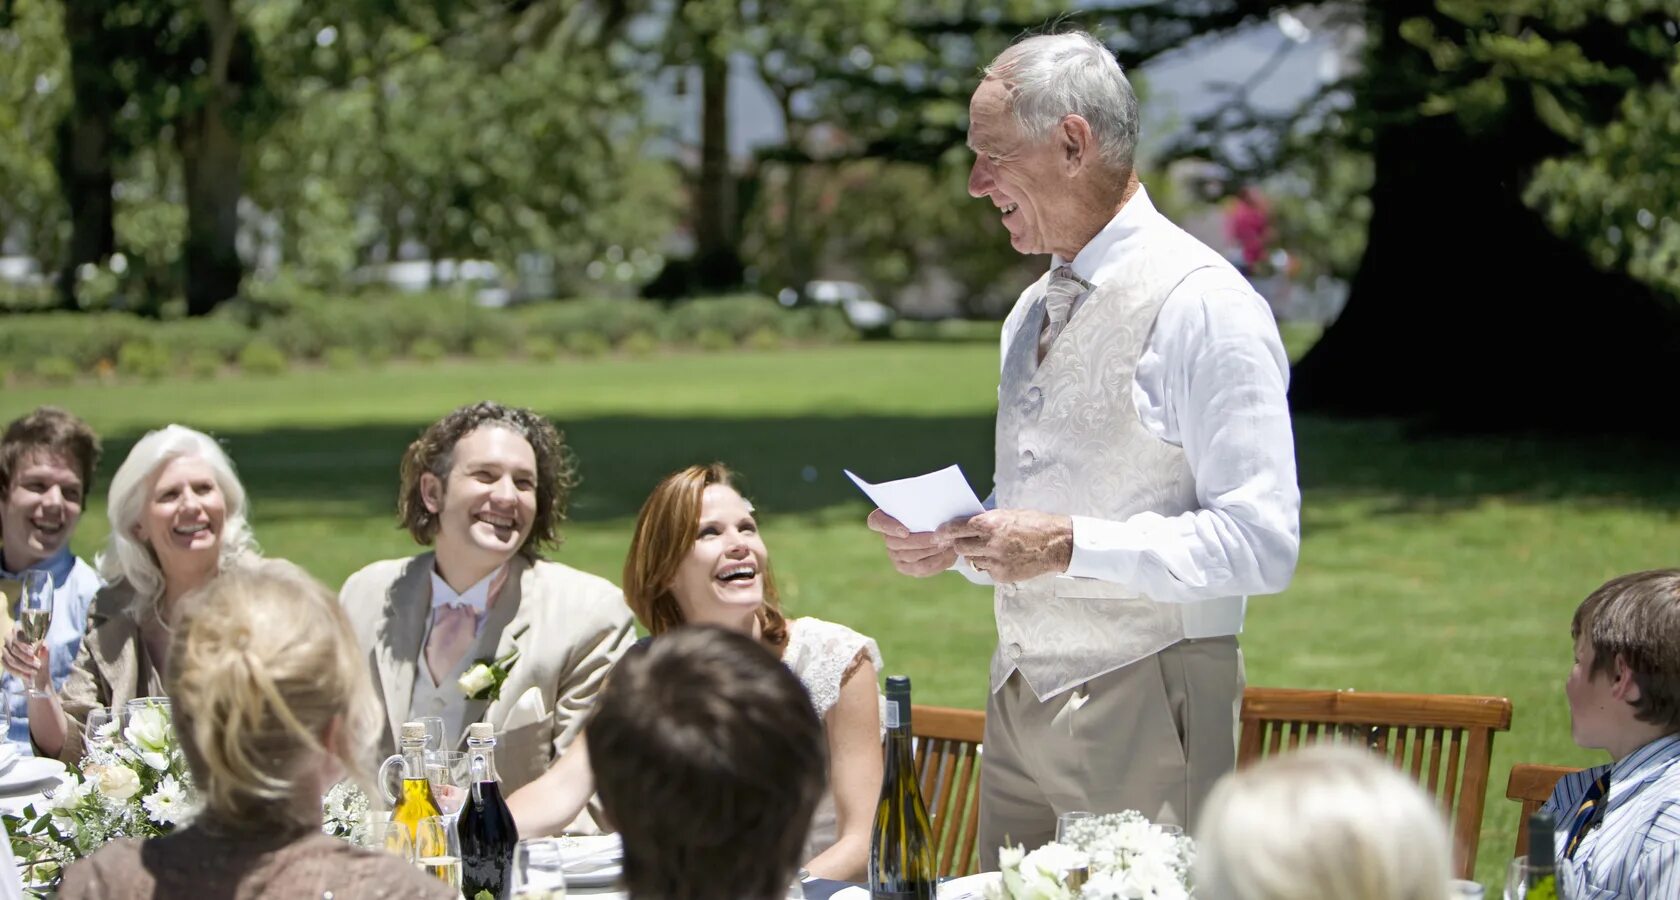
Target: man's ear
[
  {"x": 1077, "y": 142},
  {"x": 1623, "y": 686},
  {"x": 431, "y": 492}
]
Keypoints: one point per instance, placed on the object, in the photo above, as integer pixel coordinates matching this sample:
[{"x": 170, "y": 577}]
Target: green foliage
[
  {"x": 734, "y": 317},
  {"x": 427, "y": 350},
  {"x": 714, "y": 340},
  {"x": 542, "y": 348},
  {"x": 143, "y": 359},
  {"x": 763, "y": 339},
  {"x": 585, "y": 344},
  {"x": 639, "y": 343},
  {"x": 612, "y": 320},
  {"x": 218, "y": 337},
  {"x": 260, "y": 357},
  {"x": 341, "y": 359},
  {"x": 34, "y": 95},
  {"x": 85, "y": 339},
  {"x": 56, "y": 369},
  {"x": 204, "y": 365}
]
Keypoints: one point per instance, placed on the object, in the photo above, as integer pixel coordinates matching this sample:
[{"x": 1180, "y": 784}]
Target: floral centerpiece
[
  {"x": 132, "y": 783},
  {"x": 344, "y": 812},
  {"x": 1120, "y": 856}
]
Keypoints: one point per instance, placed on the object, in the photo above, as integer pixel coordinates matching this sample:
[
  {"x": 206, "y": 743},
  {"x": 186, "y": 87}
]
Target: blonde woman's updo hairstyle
[
  {"x": 1324, "y": 823},
  {"x": 127, "y": 559},
  {"x": 665, "y": 532},
  {"x": 262, "y": 664}
]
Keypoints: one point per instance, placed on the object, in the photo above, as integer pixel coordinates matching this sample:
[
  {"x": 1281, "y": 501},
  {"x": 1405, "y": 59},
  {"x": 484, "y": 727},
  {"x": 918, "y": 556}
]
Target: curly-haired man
[{"x": 485, "y": 487}]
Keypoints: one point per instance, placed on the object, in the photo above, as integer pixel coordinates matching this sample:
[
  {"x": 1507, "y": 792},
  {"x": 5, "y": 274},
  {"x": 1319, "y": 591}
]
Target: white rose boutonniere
[{"x": 483, "y": 679}]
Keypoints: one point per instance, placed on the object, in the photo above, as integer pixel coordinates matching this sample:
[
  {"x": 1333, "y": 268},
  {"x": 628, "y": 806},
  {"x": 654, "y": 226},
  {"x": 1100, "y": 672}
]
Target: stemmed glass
[
  {"x": 105, "y": 725},
  {"x": 537, "y": 873},
  {"x": 391, "y": 837},
  {"x": 447, "y": 772},
  {"x": 434, "y": 732},
  {"x": 437, "y": 850},
  {"x": 1516, "y": 879},
  {"x": 1064, "y": 823},
  {"x": 35, "y": 609}
]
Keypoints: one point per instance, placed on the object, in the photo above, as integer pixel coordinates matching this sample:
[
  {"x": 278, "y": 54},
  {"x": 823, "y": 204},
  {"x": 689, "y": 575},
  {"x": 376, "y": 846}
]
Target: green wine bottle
[
  {"x": 1542, "y": 858},
  {"x": 901, "y": 863}
]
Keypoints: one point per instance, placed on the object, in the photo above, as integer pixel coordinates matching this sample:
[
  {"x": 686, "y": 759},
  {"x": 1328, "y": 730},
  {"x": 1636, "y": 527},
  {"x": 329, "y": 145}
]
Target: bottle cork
[
  {"x": 481, "y": 731},
  {"x": 413, "y": 731}
]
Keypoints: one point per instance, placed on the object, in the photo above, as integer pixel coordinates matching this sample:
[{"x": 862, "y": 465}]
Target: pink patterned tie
[
  {"x": 1064, "y": 288},
  {"x": 454, "y": 629}
]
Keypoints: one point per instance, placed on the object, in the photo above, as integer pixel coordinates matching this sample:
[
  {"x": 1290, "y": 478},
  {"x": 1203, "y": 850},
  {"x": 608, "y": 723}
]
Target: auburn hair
[{"x": 665, "y": 532}]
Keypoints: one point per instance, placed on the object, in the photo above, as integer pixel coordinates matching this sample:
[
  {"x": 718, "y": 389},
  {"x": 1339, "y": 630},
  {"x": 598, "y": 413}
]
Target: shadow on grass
[{"x": 793, "y": 464}]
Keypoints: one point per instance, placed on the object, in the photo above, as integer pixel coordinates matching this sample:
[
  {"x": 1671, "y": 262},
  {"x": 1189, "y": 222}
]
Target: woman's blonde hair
[
  {"x": 1324, "y": 823},
  {"x": 261, "y": 665},
  {"x": 130, "y": 560}
]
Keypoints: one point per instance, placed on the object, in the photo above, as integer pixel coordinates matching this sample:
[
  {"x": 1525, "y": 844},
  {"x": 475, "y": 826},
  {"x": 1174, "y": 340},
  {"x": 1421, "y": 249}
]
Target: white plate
[
  {"x": 967, "y": 886},
  {"x": 30, "y": 774},
  {"x": 595, "y": 860}
]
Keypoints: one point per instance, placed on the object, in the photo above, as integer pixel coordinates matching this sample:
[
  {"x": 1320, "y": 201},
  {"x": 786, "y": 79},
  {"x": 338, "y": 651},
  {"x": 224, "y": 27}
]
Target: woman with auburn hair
[
  {"x": 696, "y": 557},
  {"x": 177, "y": 513},
  {"x": 273, "y": 705}
]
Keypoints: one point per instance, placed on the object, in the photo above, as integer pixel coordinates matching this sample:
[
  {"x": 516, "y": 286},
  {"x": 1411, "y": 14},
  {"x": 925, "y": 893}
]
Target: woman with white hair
[
  {"x": 1324, "y": 823},
  {"x": 177, "y": 513}
]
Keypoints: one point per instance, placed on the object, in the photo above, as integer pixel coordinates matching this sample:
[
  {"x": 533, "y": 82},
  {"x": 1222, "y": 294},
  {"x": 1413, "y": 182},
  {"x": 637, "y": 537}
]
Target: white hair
[
  {"x": 1051, "y": 76},
  {"x": 128, "y": 559},
  {"x": 1324, "y": 823}
]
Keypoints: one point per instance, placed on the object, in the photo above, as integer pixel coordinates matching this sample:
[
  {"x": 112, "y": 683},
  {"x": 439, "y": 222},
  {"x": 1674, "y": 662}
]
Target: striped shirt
[{"x": 1635, "y": 850}]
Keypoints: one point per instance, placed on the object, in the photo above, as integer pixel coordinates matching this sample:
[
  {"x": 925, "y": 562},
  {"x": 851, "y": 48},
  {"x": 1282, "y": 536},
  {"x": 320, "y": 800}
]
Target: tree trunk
[
  {"x": 1466, "y": 312},
  {"x": 212, "y": 157},
  {"x": 86, "y": 147},
  {"x": 717, "y": 256}
]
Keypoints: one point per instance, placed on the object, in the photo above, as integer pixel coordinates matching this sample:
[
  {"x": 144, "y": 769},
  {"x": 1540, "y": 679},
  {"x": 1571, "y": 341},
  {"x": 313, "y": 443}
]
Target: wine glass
[
  {"x": 391, "y": 837},
  {"x": 35, "y": 613},
  {"x": 434, "y": 732},
  {"x": 437, "y": 850},
  {"x": 161, "y": 704},
  {"x": 105, "y": 725},
  {"x": 537, "y": 872},
  {"x": 1516, "y": 879},
  {"x": 447, "y": 772},
  {"x": 1066, "y": 820}
]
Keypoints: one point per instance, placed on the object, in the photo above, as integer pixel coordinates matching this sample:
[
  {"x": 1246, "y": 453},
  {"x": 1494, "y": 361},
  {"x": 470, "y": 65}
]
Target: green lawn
[{"x": 1446, "y": 565}]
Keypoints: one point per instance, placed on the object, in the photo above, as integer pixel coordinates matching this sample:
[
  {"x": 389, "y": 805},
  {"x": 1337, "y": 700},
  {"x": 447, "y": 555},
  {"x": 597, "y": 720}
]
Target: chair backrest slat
[
  {"x": 1393, "y": 725},
  {"x": 949, "y": 751}
]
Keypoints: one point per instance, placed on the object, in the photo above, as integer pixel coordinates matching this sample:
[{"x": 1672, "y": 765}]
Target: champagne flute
[
  {"x": 35, "y": 614},
  {"x": 1065, "y": 824},
  {"x": 437, "y": 850},
  {"x": 537, "y": 872},
  {"x": 447, "y": 772}
]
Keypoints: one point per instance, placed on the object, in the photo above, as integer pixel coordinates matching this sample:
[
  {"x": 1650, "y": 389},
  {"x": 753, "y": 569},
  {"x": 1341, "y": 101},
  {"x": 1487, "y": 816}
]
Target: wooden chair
[
  {"x": 1454, "y": 733},
  {"x": 1532, "y": 783},
  {"x": 947, "y": 748}
]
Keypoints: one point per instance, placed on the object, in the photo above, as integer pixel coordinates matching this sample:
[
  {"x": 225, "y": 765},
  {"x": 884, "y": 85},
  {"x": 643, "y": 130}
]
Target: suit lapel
[
  {"x": 510, "y": 616},
  {"x": 408, "y": 606}
]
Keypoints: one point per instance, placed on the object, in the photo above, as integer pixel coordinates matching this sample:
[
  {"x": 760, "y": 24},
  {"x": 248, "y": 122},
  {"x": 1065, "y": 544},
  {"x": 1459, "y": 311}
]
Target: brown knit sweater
[{"x": 196, "y": 863}]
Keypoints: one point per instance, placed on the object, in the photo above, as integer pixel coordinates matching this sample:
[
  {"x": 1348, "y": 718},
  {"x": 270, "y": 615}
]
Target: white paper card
[{"x": 925, "y": 502}]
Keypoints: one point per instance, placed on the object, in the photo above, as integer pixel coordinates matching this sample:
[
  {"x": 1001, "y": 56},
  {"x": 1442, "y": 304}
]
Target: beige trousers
[{"x": 1153, "y": 736}]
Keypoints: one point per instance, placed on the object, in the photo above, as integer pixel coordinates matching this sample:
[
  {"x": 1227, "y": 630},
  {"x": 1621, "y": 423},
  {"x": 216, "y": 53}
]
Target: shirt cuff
[{"x": 1103, "y": 549}]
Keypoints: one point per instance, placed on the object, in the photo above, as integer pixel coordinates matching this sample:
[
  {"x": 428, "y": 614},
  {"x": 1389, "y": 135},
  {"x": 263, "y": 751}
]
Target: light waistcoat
[{"x": 1069, "y": 442}]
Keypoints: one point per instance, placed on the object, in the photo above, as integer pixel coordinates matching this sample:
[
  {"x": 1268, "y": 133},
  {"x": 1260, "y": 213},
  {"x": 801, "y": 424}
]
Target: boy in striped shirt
[{"x": 1619, "y": 824}]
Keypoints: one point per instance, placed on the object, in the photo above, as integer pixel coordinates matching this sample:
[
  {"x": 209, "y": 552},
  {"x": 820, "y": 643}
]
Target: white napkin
[{"x": 526, "y": 710}]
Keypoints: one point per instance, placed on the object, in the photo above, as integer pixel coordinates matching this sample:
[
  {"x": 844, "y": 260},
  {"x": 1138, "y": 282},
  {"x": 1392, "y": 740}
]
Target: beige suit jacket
[
  {"x": 572, "y": 629},
  {"x": 111, "y": 669}
]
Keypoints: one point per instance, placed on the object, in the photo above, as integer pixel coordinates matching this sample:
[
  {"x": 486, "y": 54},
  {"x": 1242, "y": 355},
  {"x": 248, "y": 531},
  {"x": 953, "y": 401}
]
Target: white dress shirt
[{"x": 1213, "y": 379}]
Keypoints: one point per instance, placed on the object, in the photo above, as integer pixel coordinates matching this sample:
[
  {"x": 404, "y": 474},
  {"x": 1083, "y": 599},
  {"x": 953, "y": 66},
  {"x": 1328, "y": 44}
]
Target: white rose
[
  {"x": 118, "y": 783},
  {"x": 477, "y": 680},
  {"x": 148, "y": 729}
]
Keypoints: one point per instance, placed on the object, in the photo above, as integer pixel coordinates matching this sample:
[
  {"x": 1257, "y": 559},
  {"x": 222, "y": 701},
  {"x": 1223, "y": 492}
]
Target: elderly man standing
[{"x": 1145, "y": 469}]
